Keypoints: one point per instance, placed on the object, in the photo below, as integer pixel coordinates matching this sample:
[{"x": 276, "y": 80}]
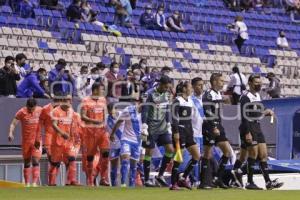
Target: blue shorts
[
  {"x": 114, "y": 153},
  {"x": 131, "y": 148},
  {"x": 199, "y": 142},
  {"x": 159, "y": 140}
]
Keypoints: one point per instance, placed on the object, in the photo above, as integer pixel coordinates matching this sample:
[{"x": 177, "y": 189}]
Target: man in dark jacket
[
  {"x": 8, "y": 78},
  {"x": 74, "y": 11},
  {"x": 147, "y": 18},
  {"x": 175, "y": 22}
]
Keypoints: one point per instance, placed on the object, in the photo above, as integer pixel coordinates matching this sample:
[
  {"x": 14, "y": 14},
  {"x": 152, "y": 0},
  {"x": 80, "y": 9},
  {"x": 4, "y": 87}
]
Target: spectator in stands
[
  {"x": 149, "y": 79},
  {"x": 82, "y": 82},
  {"x": 30, "y": 86},
  {"x": 21, "y": 60},
  {"x": 160, "y": 19},
  {"x": 294, "y": 9},
  {"x": 166, "y": 71},
  {"x": 123, "y": 12},
  {"x": 236, "y": 85},
  {"x": 282, "y": 41},
  {"x": 74, "y": 12},
  {"x": 43, "y": 78},
  {"x": 2, "y": 2},
  {"x": 241, "y": 29},
  {"x": 51, "y": 4},
  {"x": 114, "y": 82},
  {"x": 8, "y": 78},
  {"x": 60, "y": 79},
  {"x": 247, "y": 4},
  {"x": 130, "y": 90},
  {"x": 101, "y": 69},
  {"x": 89, "y": 15},
  {"x": 229, "y": 3},
  {"x": 147, "y": 19},
  {"x": 27, "y": 9},
  {"x": 175, "y": 22},
  {"x": 274, "y": 87}
]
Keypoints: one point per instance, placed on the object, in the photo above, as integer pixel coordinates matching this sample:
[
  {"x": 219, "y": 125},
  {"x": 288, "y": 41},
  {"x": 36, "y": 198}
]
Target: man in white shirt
[
  {"x": 282, "y": 41},
  {"x": 237, "y": 84},
  {"x": 241, "y": 29}
]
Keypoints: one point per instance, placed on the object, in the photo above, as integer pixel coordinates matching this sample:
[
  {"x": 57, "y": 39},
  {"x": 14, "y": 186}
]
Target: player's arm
[
  {"x": 12, "y": 128},
  {"x": 210, "y": 117},
  {"x": 146, "y": 108},
  {"x": 244, "y": 102},
  {"x": 114, "y": 129},
  {"x": 175, "y": 120},
  {"x": 58, "y": 130},
  {"x": 85, "y": 118}
]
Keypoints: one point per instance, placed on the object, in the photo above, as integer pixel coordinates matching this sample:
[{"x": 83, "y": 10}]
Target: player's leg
[
  {"x": 240, "y": 168},
  {"x": 36, "y": 156},
  {"x": 91, "y": 148},
  {"x": 252, "y": 156},
  {"x": 114, "y": 166},
  {"x": 140, "y": 169},
  {"x": 70, "y": 154},
  {"x": 125, "y": 162},
  {"x": 225, "y": 147},
  {"x": 56, "y": 157},
  {"x": 205, "y": 175},
  {"x": 263, "y": 156},
  {"x": 135, "y": 151},
  {"x": 149, "y": 146},
  {"x": 26, "y": 151},
  {"x": 166, "y": 141},
  {"x": 104, "y": 147}
]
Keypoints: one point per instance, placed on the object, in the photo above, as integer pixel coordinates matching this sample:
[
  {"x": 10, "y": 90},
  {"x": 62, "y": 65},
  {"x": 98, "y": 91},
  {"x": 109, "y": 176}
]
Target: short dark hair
[
  {"x": 235, "y": 69},
  {"x": 31, "y": 102},
  {"x": 20, "y": 56},
  {"x": 62, "y": 62},
  {"x": 214, "y": 77},
  {"x": 94, "y": 69},
  {"x": 96, "y": 85},
  {"x": 110, "y": 106},
  {"x": 9, "y": 58},
  {"x": 113, "y": 63},
  {"x": 165, "y": 80},
  {"x": 166, "y": 69},
  {"x": 83, "y": 67},
  {"x": 100, "y": 65},
  {"x": 180, "y": 86},
  {"x": 41, "y": 70},
  {"x": 252, "y": 77},
  {"x": 195, "y": 80}
]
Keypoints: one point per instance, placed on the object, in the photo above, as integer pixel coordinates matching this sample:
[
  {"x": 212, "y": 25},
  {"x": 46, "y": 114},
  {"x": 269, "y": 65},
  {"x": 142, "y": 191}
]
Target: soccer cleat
[
  {"x": 274, "y": 184},
  {"x": 123, "y": 185},
  {"x": 74, "y": 183},
  {"x": 221, "y": 184},
  {"x": 175, "y": 187},
  {"x": 252, "y": 186},
  {"x": 161, "y": 180},
  {"x": 104, "y": 183},
  {"x": 204, "y": 187},
  {"x": 184, "y": 183},
  {"x": 27, "y": 185},
  {"x": 34, "y": 185},
  {"x": 238, "y": 177},
  {"x": 149, "y": 184},
  {"x": 234, "y": 185}
]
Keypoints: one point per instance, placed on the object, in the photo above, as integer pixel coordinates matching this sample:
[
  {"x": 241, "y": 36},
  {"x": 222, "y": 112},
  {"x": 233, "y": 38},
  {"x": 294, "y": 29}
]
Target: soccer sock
[
  {"x": 165, "y": 161},
  {"x": 71, "y": 173},
  {"x": 265, "y": 171},
  {"x": 174, "y": 176},
  {"x": 113, "y": 175},
  {"x": 205, "y": 175},
  {"x": 133, "y": 169},
  {"x": 250, "y": 169},
  {"x": 237, "y": 164},
  {"x": 189, "y": 167},
  {"x": 104, "y": 160},
  {"x": 90, "y": 171},
  {"x": 52, "y": 174},
  {"x": 124, "y": 171},
  {"x": 244, "y": 168},
  {"x": 147, "y": 163},
  {"x": 213, "y": 168},
  {"x": 222, "y": 164},
  {"x": 27, "y": 173},
  {"x": 35, "y": 174}
]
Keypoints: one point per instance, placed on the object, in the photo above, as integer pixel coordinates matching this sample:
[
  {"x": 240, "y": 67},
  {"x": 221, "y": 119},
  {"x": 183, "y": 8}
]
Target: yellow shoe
[{"x": 27, "y": 185}]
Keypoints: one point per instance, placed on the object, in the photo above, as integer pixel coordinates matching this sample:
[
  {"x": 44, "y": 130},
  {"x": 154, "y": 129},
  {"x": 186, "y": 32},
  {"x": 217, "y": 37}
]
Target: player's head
[
  {"x": 184, "y": 88},
  {"x": 164, "y": 84},
  {"x": 197, "y": 84},
  {"x": 111, "y": 109},
  {"x": 217, "y": 81},
  {"x": 254, "y": 82},
  {"x": 31, "y": 104},
  {"x": 98, "y": 89},
  {"x": 66, "y": 102}
]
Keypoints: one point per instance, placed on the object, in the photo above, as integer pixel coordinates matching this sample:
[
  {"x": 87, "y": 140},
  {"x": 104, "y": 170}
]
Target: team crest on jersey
[
  {"x": 184, "y": 113},
  {"x": 156, "y": 97}
]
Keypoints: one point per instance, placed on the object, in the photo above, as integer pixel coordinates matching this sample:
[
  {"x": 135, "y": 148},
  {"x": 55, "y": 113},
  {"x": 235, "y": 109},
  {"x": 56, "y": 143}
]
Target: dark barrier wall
[{"x": 8, "y": 108}]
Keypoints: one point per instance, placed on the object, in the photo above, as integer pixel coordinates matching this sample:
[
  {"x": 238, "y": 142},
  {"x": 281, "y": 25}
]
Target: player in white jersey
[
  {"x": 131, "y": 141},
  {"x": 115, "y": 146}
]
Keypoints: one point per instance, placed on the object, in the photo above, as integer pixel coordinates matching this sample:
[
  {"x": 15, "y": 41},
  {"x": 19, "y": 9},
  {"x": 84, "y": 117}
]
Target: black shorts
[
  {"x": 256, "y": 132},
  {"x": 209, "y": 139},
  {"x": 159, "y": 140},
  {"x": 186, "y": 137}
]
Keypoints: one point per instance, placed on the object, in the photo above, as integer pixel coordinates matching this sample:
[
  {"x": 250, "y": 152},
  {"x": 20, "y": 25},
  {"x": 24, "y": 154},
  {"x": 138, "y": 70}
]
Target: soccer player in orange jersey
[
  {"x": 96, "y": 137},
  {"x": 64, "y": 140},
  {"x": 31, "y": 139}
]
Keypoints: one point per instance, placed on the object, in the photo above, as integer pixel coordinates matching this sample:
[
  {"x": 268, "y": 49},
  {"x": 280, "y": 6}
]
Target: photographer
[
  {"x": 241, "y": 29},
  {"x": 8, "y": 78}
]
